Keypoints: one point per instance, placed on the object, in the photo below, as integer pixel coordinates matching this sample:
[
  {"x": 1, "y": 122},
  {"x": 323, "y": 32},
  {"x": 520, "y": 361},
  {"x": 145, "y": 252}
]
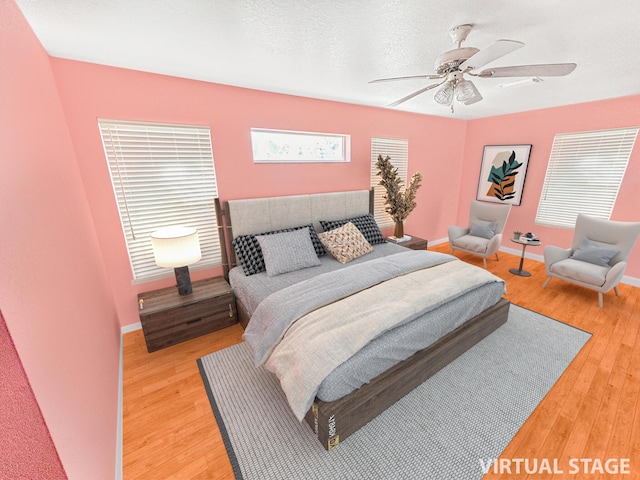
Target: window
[
  {"x": 162, "y": 175},
  {"x": 398, "y": 150},
  {"x": 279, "y": 146},
  {"x": 584, "y": 174}
]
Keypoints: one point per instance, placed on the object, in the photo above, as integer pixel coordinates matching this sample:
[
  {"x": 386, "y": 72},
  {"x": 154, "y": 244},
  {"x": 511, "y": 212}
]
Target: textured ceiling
[{"x": 331, "y": 49}]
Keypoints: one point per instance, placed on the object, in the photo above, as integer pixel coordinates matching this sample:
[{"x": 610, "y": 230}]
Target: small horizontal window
[{"x": 280, "y": 146}]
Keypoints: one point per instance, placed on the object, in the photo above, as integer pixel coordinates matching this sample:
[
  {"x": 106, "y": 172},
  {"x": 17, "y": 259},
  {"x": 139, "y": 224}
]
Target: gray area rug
[{"x": 447, "y": 428}]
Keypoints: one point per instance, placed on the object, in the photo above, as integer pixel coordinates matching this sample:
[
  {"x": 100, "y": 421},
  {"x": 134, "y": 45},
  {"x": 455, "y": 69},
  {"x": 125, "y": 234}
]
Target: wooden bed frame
[{"x": 335, "y": 421}]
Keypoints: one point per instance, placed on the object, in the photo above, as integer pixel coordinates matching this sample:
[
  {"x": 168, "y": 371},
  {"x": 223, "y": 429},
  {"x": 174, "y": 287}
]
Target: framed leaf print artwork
[{"x": 502, "y": 173}]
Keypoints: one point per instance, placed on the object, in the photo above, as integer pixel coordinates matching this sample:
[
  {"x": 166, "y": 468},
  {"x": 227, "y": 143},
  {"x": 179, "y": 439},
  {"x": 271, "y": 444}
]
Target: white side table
[{"x": 519, "y": 271}]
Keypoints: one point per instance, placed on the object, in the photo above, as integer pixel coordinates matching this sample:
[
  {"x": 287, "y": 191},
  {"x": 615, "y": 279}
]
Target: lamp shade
[
  {"x": 444, "y": 96},
  {"x": 464, "y": 90},
  {"x": 176, "y": 246}
]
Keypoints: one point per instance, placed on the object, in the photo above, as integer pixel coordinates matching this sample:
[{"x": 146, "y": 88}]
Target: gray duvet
[{"x": 292, "y": 293}]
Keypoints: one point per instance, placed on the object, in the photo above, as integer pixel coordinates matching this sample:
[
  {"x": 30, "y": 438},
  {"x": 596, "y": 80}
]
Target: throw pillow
[
  {"x": 592, "y": 253},
  {"x": 249, "y": 254},
  {"x": 365, "y": 223},
  {"x": 480, "y": 228},
  {"x": 345, "y": 243},
  {"x": 288, "y": 251}
]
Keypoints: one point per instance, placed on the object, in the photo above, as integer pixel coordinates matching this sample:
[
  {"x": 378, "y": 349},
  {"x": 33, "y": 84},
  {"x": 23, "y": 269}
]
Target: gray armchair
[
  {"x": 598, "y": 255},
  {"x": 484, "y": 233}
]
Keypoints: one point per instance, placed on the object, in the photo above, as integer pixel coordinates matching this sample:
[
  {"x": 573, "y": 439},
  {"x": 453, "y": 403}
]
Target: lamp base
[{"x": 183, "y": 280}]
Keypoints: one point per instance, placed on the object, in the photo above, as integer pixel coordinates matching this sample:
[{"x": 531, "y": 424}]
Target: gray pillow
[
  {"x": 480, "y": 228},
  {"x": 592, "y": 253},
  {"x": 249, "y": 254},
  {"x": 287, "y": 251}
]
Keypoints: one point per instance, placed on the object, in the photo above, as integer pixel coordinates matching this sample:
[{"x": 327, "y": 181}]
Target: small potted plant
[{"x": 517, "y": 234}]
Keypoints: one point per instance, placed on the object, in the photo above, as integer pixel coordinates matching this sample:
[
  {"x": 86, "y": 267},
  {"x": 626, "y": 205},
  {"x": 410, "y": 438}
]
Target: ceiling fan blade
[
  {"x": 492, "y": 52},
  {"x": 414, "y": 94},
  {"x": 424, "y": 77},
  {"x": 542, "y": 70}
]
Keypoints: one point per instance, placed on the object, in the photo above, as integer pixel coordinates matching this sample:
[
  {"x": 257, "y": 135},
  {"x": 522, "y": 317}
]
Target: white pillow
[{"x": 287, "y": 251}]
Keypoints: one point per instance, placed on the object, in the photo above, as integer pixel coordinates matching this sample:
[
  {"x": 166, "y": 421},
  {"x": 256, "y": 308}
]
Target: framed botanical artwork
[{"x": 502, "y": 173}]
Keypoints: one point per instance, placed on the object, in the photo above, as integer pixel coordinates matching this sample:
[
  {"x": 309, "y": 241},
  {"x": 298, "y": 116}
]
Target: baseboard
[
  {"x": 439, "y": 241},
  {"x": 126, "y": 329},
  {"x": 132, "y": 327},
  {"x": 518, "y": 252},
  {"x": 119, "y": 450},
  {"x": 633, "y": 281}
]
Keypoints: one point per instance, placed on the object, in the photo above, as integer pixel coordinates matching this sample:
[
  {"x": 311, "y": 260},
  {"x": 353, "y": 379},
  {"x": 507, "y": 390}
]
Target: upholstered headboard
[{"x": 259, "y": 215}]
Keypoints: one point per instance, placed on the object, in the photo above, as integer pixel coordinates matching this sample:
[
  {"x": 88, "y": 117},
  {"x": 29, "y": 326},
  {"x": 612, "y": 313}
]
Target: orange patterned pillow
[{"x": 345, "y": 243}]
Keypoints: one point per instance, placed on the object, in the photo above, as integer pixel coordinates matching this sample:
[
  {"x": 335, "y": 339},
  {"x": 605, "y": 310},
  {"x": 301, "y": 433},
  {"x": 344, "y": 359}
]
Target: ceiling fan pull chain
[{"x": 453, "y": 96}]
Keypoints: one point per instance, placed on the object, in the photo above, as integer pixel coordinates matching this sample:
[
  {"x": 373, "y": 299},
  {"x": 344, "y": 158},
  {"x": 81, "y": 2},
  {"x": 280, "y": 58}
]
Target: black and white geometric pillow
[
  {"x": 249, "y": 254},
  {"x": 365, "y": 223}
]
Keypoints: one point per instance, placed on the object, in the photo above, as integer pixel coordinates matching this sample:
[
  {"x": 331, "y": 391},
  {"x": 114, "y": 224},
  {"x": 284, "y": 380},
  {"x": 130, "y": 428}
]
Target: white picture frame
[{"x": 502, "y": 173}]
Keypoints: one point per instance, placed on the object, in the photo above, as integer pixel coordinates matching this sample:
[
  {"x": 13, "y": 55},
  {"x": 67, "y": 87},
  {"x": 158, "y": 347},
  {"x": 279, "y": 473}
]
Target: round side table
[{"x": 519, "y": 271}]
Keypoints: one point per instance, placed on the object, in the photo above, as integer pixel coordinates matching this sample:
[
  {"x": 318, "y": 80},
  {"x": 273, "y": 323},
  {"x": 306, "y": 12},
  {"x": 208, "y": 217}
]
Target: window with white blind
[
  {"x": 584, "y": 174},
  {"x": 162, "y": 175},
  {"x": 398, "y": 150}
]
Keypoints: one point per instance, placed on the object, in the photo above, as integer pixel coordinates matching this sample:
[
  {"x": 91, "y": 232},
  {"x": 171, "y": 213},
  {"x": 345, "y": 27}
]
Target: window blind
[
  {"x": 398, "y": 150},
  {"x": 162, "y": 175},
  {"x": 584, "y": 174}
]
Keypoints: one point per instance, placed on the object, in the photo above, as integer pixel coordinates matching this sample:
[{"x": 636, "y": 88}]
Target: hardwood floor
[{"x": 592, "y": 412}]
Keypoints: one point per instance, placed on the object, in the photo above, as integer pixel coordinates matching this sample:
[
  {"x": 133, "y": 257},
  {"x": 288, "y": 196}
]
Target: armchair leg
[
  {"x": 484, "y": 260},
  {"x": 600, "y": 302},
  {"x": 497, "y": 257},
  {"x": 615, "y": 289},
  {"x": 546, "y": 282}
]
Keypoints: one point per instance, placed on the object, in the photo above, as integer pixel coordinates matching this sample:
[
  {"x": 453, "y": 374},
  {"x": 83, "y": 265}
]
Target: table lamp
[{"x": 177, "y": 247}]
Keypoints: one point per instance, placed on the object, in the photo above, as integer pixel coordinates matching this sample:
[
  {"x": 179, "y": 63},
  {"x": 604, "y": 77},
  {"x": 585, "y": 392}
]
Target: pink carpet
[{"x": 26, "y": 448}]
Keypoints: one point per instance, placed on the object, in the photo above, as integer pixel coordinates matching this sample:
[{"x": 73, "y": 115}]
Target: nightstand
[
  {"x": 416, "y": 243},
  {"x": 168, "y": 318}
]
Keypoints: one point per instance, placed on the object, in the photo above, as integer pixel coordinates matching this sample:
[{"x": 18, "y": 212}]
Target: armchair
[
  {"x": 598, "y": 255},
  {"x": 484, "y": 233}
]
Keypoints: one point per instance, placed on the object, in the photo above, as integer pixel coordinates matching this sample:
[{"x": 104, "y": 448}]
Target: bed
[{"x": 428, "y": 307}]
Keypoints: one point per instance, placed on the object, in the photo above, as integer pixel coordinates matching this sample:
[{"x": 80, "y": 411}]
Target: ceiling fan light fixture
[
  {"x": 464, "y": 91},
  {"x": 444, "y": 95}
]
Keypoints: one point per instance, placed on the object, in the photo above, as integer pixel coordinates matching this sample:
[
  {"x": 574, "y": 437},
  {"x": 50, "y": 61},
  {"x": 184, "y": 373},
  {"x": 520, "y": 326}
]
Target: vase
[{"x": 398, "y": 232}]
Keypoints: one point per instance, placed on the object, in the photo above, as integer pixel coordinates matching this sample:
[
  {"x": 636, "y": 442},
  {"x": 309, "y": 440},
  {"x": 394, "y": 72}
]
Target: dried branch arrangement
[{"x": 400, "y": 201}]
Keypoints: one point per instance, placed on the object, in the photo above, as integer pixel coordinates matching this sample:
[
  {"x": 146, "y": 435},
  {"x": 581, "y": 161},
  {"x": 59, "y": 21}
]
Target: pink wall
[
  {"x": 538, "y": 128},
  {"x": 23, "y": 427},
  {"x": 89, "y": 92},
  {"x": 54, "y": 294}
]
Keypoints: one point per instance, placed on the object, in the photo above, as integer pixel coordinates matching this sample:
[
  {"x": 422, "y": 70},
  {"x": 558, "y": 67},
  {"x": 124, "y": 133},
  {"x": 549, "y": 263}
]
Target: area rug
[{"x": 449, "y": 427}]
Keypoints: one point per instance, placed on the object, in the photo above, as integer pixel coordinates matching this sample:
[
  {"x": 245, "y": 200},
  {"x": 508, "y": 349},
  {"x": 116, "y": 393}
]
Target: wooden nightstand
[
  {"x": 168, "y": 318},
  {"x": 416, "y": 243}
]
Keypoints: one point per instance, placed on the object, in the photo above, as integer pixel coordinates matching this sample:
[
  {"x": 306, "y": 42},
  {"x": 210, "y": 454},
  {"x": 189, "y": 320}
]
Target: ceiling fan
[{"x": 452, "y": 66}]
